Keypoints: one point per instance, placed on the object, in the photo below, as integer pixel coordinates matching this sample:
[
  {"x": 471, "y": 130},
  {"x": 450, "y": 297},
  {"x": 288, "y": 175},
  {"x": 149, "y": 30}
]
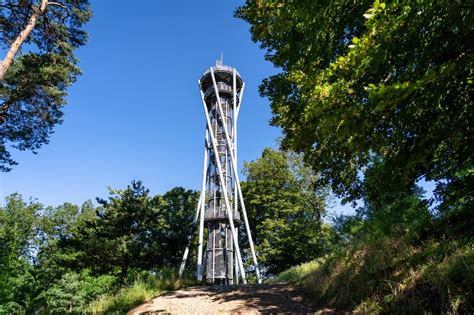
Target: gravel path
[{"x": 239, "y": 299}]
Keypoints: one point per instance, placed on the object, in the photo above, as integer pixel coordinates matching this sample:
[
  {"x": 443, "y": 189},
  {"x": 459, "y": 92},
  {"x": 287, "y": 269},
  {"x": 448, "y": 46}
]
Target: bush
[{"x": 73, "y": 292}]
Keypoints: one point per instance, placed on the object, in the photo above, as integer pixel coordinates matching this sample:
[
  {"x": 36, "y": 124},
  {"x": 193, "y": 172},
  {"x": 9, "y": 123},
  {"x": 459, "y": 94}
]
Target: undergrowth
[
  {"x": 392, "y": 275},
  {"x": 142, "y": 290}
]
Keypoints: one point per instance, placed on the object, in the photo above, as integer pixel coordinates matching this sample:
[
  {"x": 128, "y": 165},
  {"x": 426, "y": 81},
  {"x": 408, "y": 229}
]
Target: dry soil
[{"x": 278, "y": 298}]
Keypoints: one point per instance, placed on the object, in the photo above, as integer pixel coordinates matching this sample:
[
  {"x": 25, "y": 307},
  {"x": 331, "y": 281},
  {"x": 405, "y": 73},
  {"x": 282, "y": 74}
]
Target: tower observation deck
[{"x": 221, "y": 207}]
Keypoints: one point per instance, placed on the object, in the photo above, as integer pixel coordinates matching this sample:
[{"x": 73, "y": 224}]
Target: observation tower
[{"x": 221, "y": 209}]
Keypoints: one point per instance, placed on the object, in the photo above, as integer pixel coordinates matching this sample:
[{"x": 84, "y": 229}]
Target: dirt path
[{"x": 250, "y": 299}]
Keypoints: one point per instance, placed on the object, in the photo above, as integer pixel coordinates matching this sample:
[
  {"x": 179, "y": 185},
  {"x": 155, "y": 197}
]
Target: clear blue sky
[{"x": 135, "y": 113}]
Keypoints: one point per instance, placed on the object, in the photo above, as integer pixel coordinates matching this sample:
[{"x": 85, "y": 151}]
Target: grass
[
  {"x": 141, "y": 291},
  {"x": 297, "y": 273},
  {"x": 388, "y": 275}
]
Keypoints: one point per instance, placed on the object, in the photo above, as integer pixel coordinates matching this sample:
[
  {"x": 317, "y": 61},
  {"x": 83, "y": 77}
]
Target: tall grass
[
  {"x": 388, "y": 275},
  {"x": 297, "y": 273},
  {"x": 142, "y": 290}
]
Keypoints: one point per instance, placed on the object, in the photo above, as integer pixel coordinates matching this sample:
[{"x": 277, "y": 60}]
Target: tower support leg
[
  {"x": 234, "y": 138},
  {"x": 186, "y": 251},
  {"x": 202, "y": 206}
]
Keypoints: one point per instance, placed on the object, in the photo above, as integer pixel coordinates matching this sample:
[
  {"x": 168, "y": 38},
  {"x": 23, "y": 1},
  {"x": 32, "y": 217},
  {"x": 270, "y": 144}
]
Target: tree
[
  {"x": 18, "y": 231},
  {"x": 376, "y": 95},
  {"x": 284, "y": 209},
  {"x": 59, "y": 227},
  {"x": 33, "y": 83},
  {"x": 121, "y": 232},
  {"x": 133, "y": 231},
  {"x": 58, "y": 259},
  {"x": 177, "y": 215}
]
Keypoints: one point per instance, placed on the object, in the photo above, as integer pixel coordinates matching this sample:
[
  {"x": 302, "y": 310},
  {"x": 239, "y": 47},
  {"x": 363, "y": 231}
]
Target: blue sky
[{"x": 135, "y": 113}]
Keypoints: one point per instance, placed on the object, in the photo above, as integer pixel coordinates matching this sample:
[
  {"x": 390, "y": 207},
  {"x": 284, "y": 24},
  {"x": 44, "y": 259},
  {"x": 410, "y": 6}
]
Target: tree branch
[
  {"x": 62, "y": 6},
  {"x": 5, "y": 63},
  {"x": 58, "y": 4}
]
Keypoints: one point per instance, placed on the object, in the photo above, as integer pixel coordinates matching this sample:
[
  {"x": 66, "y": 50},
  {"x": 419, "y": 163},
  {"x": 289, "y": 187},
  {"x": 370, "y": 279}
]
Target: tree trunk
[
  {"x": 321, "y": 235},
  {"x": 123, "y": 274},
  {"x": 5, "y": 64}
]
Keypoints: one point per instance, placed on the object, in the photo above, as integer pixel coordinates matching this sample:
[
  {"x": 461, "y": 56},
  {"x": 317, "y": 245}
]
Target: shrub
[{"x": 73, "y": 292}]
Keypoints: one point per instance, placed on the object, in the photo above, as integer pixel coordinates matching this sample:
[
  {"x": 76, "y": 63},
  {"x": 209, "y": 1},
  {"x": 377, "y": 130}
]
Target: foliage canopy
[
  {"x": 59, "y": 259},
  {"x": 40, "y": 38},
  {"x": 285, "y": 211},
  {"x": 373, "y": 91}
]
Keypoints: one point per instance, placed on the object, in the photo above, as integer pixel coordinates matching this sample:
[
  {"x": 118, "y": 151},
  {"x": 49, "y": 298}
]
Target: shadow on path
[{"x": 238, "y": 299}]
